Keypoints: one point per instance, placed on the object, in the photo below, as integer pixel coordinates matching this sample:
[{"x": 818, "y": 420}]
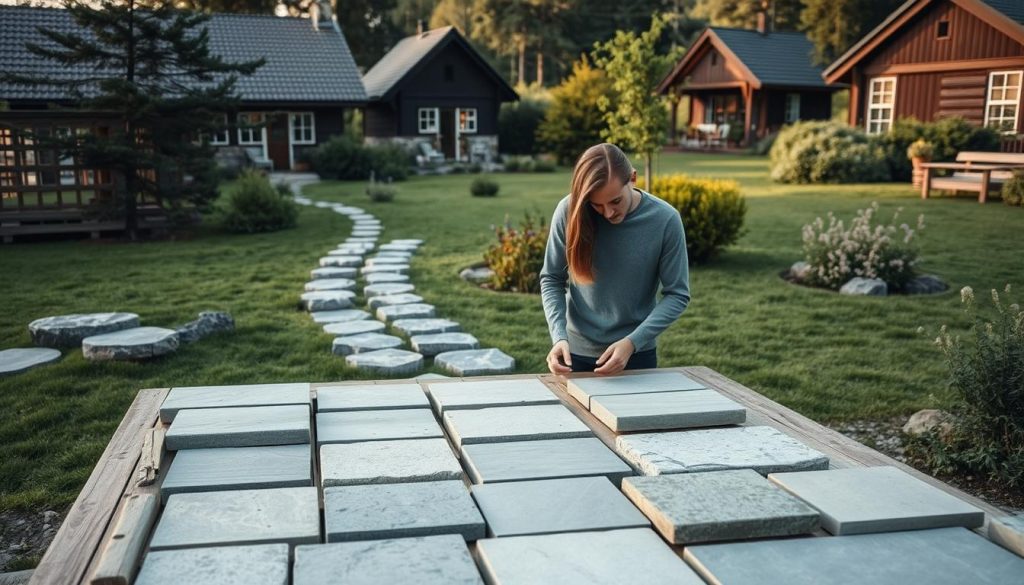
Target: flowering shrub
[
  {"x": 518, "y": 255},
  {"x": 837, "y": 253},
  {"x": 826, "y": 152}
]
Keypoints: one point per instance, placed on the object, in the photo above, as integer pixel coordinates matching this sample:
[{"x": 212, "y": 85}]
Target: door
[
  {"x": 277, "y": 142},
  {"x": 448, "y": 133}
]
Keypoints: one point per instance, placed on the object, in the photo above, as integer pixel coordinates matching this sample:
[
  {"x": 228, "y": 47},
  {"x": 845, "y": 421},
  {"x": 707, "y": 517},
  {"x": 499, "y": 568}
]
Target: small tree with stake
[{"x": 150, "y": 64}]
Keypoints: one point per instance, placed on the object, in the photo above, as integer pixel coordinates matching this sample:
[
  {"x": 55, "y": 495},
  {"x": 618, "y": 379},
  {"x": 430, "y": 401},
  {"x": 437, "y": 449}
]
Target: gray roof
[
  {"x": 303, "y": 65},
  {"x": 776, "y": 58}
]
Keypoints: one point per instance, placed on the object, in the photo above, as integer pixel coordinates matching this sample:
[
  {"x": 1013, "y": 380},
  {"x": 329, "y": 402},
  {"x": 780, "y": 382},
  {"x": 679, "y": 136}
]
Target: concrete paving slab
[
  {"x": 376, "y": 425},
  {"x": 525, "y": 460},
  {"x": 243, "y": 426},
  {"x": 666, "y": 410},
  {"x": 443, "y": 559},
  {"x": 489, "y": 393},
  {"x": 261, "y": 564},
  {"x": 237, "y": 468},
  {"x": 583, "y": 388},
  {"x": 376, "y": 462},
  {"x": 232, "y": 396},
  {"x": 516, "y": 423},
  {"x": 370, "y": 397}
]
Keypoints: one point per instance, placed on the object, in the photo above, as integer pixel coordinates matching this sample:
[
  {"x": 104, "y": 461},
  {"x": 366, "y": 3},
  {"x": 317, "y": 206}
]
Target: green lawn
[{"x": 829, "y": 357}]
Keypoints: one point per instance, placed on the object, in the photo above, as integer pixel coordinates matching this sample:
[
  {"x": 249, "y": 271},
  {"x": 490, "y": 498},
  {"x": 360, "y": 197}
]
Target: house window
[
  {"x": 250, "y": 131},
  {"x": 221, "y": 137},
  {"x": 714, "y": 58},
  {"x": 428, "y": 121},
  {"x": 467, "y": 120},
  {"x": 942, "y": 30},
  {"x": 792, "y": 107},
  {"x": 302, "y": 127},
  {"x": 881, "y": 99},
  {"x": 1003, "y": 100}
]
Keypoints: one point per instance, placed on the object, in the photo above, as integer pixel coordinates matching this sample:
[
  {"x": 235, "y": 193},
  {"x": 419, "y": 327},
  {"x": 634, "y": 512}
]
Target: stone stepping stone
[
  {"x": 354, "y": 249},
  {"x": 140, "y": 343},
  {"x": 1008, "y": 532},
  {"x": 363, "y": 215},
  {"x": 555, "y": 505},
  {"x": 346, "y": 328},
  {"x": 944, "y": 556},
  {"x": 523, "y": 460},
  {"x": 285, "y": 515},
  {"x": 394, "y": 254},
  {"x": 370, "y": 241},
  {"x": 232, "y": 396},
  {"x": 412, "y": 311},
  {"x": 761, "y": 448},
  {"x": 332, "y": 272},
  {"x": 262, "y": 564},
  {"x": 387, "y": 288},
  {"x": 340, "y": 316},
  {"x": 612, "y": 557},
  {"x": 365, "y": 232},
  {"x": 323, "y": 204},
  {"x": 408, "y": 241},
  {"x": 330, "y": 284},
  {"x": 364, "y": 343},
  {"x": 476, "y": 362},
  {"x": 582, "y": 389},
  {"x": 364, "y": 221},
  {"x": 432, "y": 344},
  {"x": 719, "y": 505},
  {"x": 397, "y": 299},
  {"x": 389, "y": 268},
  {"x": 370, "y": 397},
  {"x": 398, "y": 247},
  {"x": 215, "y": 470},
  {"x": 429, "y": 560},
  {"x": 377, "y": 462},
  {"x": 387, "y": 362},
  {"x": 327, "y": 300},
  {"x": 401, "y": 510},
  {"x": 412, "y": 327},
  {"x": 242, "y": 426},
  {"x": 666, "y": 410},
  {"x": 514, "y": 423},
  {"x": 361, "y": 244},
  {"x": 376, "y": 425},
  {"x": 861, "y": 500},
  {"x": 20, "y": 359},
  {"x": 70, "y": 330},
  {"x": 385, "y": 277},
  {"x": 349, "y": 210},
  {"x": 489, "y": 393},
  {"x": 342, "y": 261},
  {"x": 382, "y": 260}
]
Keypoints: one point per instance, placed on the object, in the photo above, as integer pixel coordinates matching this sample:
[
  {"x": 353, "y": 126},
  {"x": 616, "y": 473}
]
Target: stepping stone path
[
  {"x": 397, "y": 299},
  {"x": 387, "y": 288},
  {"x": 476, "y": 362},
  {"x": 332, "y": 272},
  {"x": 330, "y": 284},
  {"x": 20, "y": 359},
  {"x": 364, "y": 343},
  {"x": 387, "y": 362},
  {"x": 435, "y": 343},
  {"x": 139, "y": 343},
  {"x": 411, "y": 327},
  {"x": 354, "y": 327},
  {"x": 327, "y": 300},
  {"x": 70, "y": 330}
]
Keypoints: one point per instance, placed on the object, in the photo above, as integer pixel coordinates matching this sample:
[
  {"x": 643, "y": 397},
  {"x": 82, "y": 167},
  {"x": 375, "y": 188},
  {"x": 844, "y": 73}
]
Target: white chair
[
  {"x": 428, "y": 154},
  {"x": 720, "y": 137}
]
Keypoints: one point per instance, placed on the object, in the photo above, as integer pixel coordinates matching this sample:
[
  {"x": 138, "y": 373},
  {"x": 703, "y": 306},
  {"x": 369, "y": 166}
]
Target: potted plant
[{"x": 920, "y": 151}]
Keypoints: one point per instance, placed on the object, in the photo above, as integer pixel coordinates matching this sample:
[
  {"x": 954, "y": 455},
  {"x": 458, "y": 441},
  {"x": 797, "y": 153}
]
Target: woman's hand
[
  {"x": 614, "y": 359},
  {"x": 560, "y": 351}
]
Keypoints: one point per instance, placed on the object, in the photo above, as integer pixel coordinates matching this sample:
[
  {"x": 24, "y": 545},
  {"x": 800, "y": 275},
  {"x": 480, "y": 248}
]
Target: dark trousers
[{"x": 640, "y": 360}]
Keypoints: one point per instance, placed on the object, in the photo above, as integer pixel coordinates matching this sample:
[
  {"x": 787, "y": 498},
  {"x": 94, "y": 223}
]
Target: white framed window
[
  {"x": 881, "y": 102},
  {"x": 221, "y": 137},
  {"x": 467, "y": 120},
  {"x": 428, "y": 120},
  {"x": 247, "y": 134},
  {"x": 792, "y": 107},
  {"x": 302, "y": 127},
  {"x": 1003, "y": 100}
]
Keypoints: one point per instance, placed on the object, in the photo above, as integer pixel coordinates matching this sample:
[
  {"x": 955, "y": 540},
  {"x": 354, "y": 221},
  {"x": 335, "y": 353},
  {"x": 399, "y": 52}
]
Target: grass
[{"x": 830, "y": 357}]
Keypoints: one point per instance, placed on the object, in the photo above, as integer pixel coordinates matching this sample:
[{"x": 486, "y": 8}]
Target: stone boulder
[
  {"x": 858, "y": 286},
  {"x": 477, "y": 275},
  {"x": 70, "y": 330},
  {"x": 927, "y": 420},
  {"x": 925, "y": 284},
  {"x": 799, "y": 270},
  {"x": 208, "y": 322},
  {"x": 140, "y": 343}
]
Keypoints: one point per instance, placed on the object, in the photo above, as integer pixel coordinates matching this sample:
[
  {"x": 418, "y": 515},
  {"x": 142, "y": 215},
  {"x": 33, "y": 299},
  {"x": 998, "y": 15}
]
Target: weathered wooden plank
[{"x": 123, "y": 552}]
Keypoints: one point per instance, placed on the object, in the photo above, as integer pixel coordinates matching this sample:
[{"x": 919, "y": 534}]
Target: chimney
[
  {"x": 321, "y": 14},
  {"x": 421, "y": 26},
  {"x": 762, "y": 17}
]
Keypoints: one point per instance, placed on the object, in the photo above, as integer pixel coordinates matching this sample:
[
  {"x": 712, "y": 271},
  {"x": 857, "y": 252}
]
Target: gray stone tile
[
  {"x": 944, "y": 556},
  {"x": 555, "y": 505},
  {"x": 261, "y": 564},
  {"x": 348, "y": 250},
  {"x": 412, "y": 327},
  {"x": 719, "y": 505},
  {"x": 385, "y": 277},
  {"x": 394, "y": 254},
  {"x": 287, "y": 515},
  {"x": 443, "y": 559},
  {"x": 1008, "y": 532},
  {"x": 396, "y": 299},
  {"x": 139, "y": 343},
  {"x": 387, "y": 288},
  {"x": 345, "y": 328},
  {"x": 476, "y": 362},
  {"x": 666, "y": 410},
  {"x": 342, "y": 261},
  {"x": 19, "y": 359},
  {"x": 70, "y": 330},
  {"x": 340, "y": 316},
  {"x": 386, "y": 268},
  {"x": 398, "y": 510},
  {"x": 432, "y": 344},
  {"x": 330, "y": 284},
  {"x": 332, "y": 300},
  {"x": 413, "y": 311},
  {"x": 381, "y": 260},
  {"x": 364, "y": 343},
  {"x": 333, "y": 272},
  {"x": 761, "y": 448},
  {"x": 613, "y": 557},
  {"x": 376, "y": 425},
  {"x": 860, "y": 500},
  {"x": 370, "y": 397},
  {"x": 398, "y": 247},
  {"x": 387, "y": 362},
  {"x": 229, "y": 396},
  {"x": 489, "y": 393},
  {"x": 514, "y": 423},
  {"x": 583, "y": 388},
  {"x": 237, "y": 468},
  {"x": 550, "y": 459},
  {"x": 242, "y": 426},
  {"x": 374, "y": 462}
]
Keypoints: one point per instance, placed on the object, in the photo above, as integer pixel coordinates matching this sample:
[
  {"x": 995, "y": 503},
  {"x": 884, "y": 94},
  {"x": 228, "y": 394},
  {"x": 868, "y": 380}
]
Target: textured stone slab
[
  {"x": 515, "y": 423},
  {"x": 363, "y": 244},
  {"x": 555, "y": 505},
  {"x": 140, "y": 343},
  {"x": 761, "y": 448},
  {"x": 387, "y": 288},
  {"x": 229, "y": 396},
  {"x": 583, "y": 388},
  {"x": 384, "y": 260},
  {"x": 243, "y": 426},
  {"x": 348, "y": 250},
  {"x": 286, "y": 515},
  {"x": 944, "y": 556},
  {"x": 408, "y": 241},
  {"x": 343, "y": 261},
  {"x": 399, "y": 247},
  {"x": 370, "y": 397},
  {"x": 398, "y": 510},
  {"x": 877, "y": 499},
  {"x": 339, "y": 316},
  {"x": 476, "y": 362},
  {"x": 333, "y": 272},
  {"x": 388, "y": 362},
  {"x": 364, "y": 343},
  {"x": 330, "y": 284},
  {"x": 412, "y": 327},
  {"x": 523, "y": 460},
  {"x": 1008, "y": 532},
  {"x": 366, "y": 232},
  {"x": 613, "y": 557},
  {"x": 443, "y": 559},
  {"x": 719, "y": 505},
  {"x": 398, "y": 299},
  {"x": 384, "y": 277},
  {"x": 489, "y": 393},
  {"x": 394, "y": 254},
  {"x": 261, "y": 564},
  {"x": 70, "y": 330},
  {"x": 208, "y": 323},
  {"x": 333, "y": 300},
  {"x": 206, "y": 470},
  {"x": 376, "y": 462},
  {"x": 17, "y": 360},
  {"x": 354, "y": 327},
  {"x": 362, "y": 239},
  {"x": 388, "y": 268},
  {"x": 666, "y": 410},
  {"x": 413, "y": 311},
  {"x": 432, "y": 344},
  {"x": 376, "y": 425}
]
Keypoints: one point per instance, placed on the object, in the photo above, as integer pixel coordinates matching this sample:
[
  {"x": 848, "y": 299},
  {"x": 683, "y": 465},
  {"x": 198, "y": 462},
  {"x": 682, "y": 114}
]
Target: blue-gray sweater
[{"x": 631, "y": 259}]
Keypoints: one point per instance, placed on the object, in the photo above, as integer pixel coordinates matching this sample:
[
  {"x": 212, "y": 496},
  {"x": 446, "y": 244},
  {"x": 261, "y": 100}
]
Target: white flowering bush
[{"x": 866, "y": 248}]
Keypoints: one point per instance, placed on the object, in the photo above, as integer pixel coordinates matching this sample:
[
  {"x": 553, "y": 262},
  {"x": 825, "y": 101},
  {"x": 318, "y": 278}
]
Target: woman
[{"x": 610, "y": 246}]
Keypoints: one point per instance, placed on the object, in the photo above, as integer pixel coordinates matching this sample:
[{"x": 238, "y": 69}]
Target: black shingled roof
[{"x": 775, "y": 58}]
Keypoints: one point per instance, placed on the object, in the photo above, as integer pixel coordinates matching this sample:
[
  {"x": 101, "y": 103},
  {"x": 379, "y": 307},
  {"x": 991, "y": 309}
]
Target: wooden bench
[{"x": 972, "y": 171}]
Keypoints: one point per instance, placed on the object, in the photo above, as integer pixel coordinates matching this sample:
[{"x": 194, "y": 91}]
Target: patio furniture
[
  {"x": 721, "y": 136},
  {"x": 428, "y": 155},
  {"x": 972, "y": 171},
  {"x": 257, "y": 160}
]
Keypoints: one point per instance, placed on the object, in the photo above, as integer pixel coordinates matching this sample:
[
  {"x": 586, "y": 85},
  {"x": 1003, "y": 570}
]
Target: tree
[
  {"x": 834, "y": 25},
  {"x": 781, "y": 14},
  {"x": 369, "y": 28},
  {"x": 573, "y": 121}
]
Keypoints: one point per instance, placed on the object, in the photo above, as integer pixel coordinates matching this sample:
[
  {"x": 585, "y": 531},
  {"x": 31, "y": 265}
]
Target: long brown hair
[{"x": 596, "y": 166}]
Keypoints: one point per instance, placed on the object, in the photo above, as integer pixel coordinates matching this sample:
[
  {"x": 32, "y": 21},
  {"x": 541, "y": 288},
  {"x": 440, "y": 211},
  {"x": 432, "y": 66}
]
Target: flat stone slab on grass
[
  {"x": 414, "y": 311},
  {"x": 412, "y": 327},
  {"x": 385, "y": 277},
  {"x": 377, "y": 462},
  {"x": 614, "y": 557},
  {"x": 370, "y": 397},
  {"x": 243, "y": 426},
  {"x": 432, "y": 344},
  {"x": 550, "y": 459},
  {"x": 943, "y": 556},
  {"x": 513, "y": 423},
  {"x": 548, "y": 506},
  {"x": 877, "y": 499},
  {"x": 583, "y": 388},
  {"x": 330, "y": 284},
  {"x": 476, "y": 362},
  {"x": 394, "y": 254},
  {"x": 376, "y": 425},
  {"x": 235, "y": 468},
  {"x": 19, "y": 359},
  {"x": 333, "y": 272},
  {"x": 387, "y": 362},
  {"x": 386, "y": 268},
  {"x": 354, "y": 327},
  {"x": 348, "y": 250},
  {"x": 761, "y": 448},
  {"x": 719, "y": 505},
  {"x": 261, "y": 564},
  {"x": 229, "y": 396},
  {"x": 1008, "y": 532},
  {"x": 383, "y": 260},
  {"x": 70, "y": 330},
  {"x": 342, "y": 261},
  {"x": 397, "y": 299},
  {"x": 387, "y": 288},
  {"x": 364, "y": 343},
  {"x": 333, "y": 300},
  {"x": 443, "y": 559},
  {"x": 408, "y": 241},
  {"x": 666, "y": 410},
  {"x": 489, "y": 393},
  {"x": 366, "y": 232},
  {"x": 339, "y": 316},
  {"x": 398, "y": 247},
  {"x": 285, "y": 515},
  {"x": 140, "y": 343}
]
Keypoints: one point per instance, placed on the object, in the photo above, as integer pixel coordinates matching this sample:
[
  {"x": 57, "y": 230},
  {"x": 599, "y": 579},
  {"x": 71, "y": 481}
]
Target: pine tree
[{"x": 835, "y": 25}]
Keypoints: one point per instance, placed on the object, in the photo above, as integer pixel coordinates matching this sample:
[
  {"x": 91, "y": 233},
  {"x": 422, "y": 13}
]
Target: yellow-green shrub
[
  {"x": 713, "y": 211},
  {"x": 518, "y": 255}
]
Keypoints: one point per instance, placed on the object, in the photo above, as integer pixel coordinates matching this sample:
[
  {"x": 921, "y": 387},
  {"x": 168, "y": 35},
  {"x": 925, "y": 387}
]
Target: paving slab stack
[{"x": 397, "y": 481}]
